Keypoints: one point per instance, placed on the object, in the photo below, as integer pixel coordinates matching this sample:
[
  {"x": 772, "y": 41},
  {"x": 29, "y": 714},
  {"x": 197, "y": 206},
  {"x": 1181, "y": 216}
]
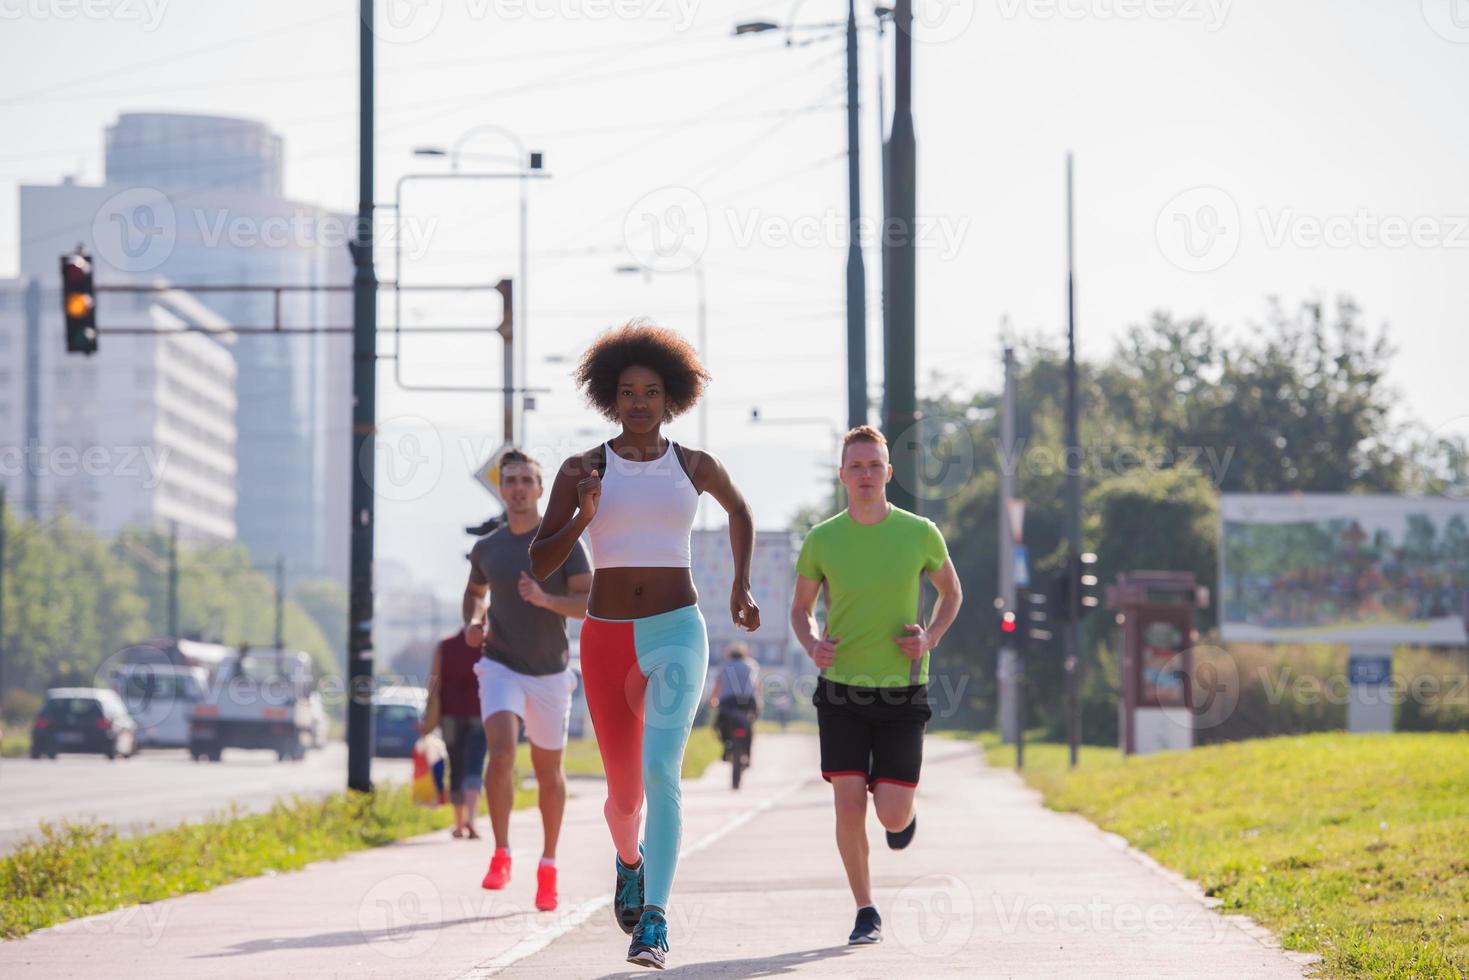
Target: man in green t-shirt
[{"x": 872, "y": 697}]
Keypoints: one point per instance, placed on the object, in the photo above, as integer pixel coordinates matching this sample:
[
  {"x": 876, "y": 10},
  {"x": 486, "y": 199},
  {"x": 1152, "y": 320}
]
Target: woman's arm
[
  {"x": 571, "y": 508},
  {"x": 435, "y": 678},
  {"x": 711, "y": 477}
]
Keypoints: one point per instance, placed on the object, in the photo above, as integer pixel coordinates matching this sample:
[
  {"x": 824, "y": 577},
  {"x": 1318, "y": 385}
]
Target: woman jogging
[{"x": 644, "y": 647}]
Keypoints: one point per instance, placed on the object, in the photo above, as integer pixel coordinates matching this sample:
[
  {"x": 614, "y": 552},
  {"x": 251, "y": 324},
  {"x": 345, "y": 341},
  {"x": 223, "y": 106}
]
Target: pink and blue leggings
[{"x": 644, "y": 679}]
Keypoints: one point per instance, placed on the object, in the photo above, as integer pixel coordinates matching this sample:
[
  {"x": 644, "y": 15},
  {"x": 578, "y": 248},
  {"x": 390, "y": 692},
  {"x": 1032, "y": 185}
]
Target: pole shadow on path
[
  {"x": 765, "y": 966},
  {"x": 351, "y": 937}
]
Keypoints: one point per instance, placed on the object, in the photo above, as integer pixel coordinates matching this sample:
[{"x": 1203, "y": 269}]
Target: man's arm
[
  {"x": 473, "y": 607},
  {"x": 573, "y": 605},
  {"x": 921, "y": 639},
  {"x": 803, "y": 623}
]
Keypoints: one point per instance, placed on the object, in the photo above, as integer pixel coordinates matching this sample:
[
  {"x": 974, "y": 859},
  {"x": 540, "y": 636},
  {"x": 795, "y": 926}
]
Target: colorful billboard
[{"x": 1339, "y": 568}]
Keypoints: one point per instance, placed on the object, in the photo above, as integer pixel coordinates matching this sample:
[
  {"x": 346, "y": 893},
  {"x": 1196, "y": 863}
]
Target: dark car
[
  {"x": 85, "y": 720},
  {"x": 395, "y": 715}
]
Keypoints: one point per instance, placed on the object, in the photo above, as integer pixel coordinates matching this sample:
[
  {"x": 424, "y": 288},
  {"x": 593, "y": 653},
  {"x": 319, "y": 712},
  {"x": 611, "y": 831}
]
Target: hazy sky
[{"x": 1226, "y": 152}]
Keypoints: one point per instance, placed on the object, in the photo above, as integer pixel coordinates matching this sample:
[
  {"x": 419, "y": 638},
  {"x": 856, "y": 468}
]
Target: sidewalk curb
[{"x": 1186, "y": 885}]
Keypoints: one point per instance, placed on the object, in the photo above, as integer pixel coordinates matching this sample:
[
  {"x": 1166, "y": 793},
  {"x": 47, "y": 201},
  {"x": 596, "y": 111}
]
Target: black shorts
[{"x": 873, "y": 732}]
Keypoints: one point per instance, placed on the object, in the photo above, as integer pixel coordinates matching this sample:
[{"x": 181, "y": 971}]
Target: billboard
[{"x": 1339, "y": 568}]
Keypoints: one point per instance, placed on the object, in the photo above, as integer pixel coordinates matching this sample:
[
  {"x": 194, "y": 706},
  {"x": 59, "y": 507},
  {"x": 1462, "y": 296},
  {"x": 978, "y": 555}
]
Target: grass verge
[
  {"x": 73, "y": 870},
  {"x": 15, "y": 744},
  {"x": 1355, "y": 847}
]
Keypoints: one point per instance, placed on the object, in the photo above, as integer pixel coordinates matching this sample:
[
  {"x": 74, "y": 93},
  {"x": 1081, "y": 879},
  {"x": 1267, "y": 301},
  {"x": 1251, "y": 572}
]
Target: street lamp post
[{"x": 527, "y": 161}]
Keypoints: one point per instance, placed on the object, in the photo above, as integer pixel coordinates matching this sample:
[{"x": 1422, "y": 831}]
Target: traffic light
[
  {"x": 1037, "y": 616},
  {"x": 1088, "y": 584},
  {"x": 1008, "y": 626},
  {"x": 79, "y": 303},
  {"x": 1078, "y": 577}
]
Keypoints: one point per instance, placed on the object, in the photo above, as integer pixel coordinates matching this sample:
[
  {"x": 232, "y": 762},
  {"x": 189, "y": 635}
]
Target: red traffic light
[{"x": 1007, "y": 622}]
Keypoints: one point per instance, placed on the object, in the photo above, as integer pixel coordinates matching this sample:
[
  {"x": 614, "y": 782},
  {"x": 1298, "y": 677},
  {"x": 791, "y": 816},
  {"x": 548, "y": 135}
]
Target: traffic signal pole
[
  {"x": 364, "y": 413},
  {"x": 856, "y": 270},
  {"x": 1008, "y": 665},
  {"x": 900, "y": 272},
  {"x": 1072, "y": 614}
]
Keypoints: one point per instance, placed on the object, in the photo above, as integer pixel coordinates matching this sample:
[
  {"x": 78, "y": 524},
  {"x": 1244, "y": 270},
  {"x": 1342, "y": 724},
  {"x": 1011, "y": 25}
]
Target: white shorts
[{"x": 543, "y": 703}]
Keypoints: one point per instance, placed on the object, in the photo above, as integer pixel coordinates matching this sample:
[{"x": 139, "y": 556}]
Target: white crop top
[{"x": 645, "y": 513}]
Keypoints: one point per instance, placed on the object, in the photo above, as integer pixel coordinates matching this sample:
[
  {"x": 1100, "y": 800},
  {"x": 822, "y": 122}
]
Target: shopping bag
[{"x": 429, "y": 757}]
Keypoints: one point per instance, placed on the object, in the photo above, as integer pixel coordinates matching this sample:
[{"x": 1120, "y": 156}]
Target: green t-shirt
[{"x": 874, "y": 577}]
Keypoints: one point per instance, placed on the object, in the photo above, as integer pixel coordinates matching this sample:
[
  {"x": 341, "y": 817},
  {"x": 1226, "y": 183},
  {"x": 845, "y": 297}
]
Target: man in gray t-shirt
[
  {"x": 524, "y": 675},
  {"x": 527, "y": 630}
]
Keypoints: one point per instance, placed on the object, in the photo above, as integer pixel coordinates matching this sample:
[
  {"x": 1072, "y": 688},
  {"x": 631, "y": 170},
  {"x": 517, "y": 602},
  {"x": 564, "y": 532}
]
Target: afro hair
[{"x": 639, "y": 344}]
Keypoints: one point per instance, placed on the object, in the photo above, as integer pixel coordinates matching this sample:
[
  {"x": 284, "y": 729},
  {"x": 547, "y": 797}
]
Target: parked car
[
  {"x": 161, "y": 699},
  {"x": 395, "y": 715},
  {"x": 84, "y": 720}
]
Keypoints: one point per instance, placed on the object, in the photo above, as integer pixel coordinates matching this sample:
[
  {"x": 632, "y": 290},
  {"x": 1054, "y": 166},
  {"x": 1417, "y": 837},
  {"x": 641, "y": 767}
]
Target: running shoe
[
  {"x": 649, "y": 940},
  {"x": 868, "y": 929},
  {"x": 499, "y": 874},
  {"x": 546, "y": 898},
  {"x": 903, "y": 837},
  {"x": 627, "y": 894}
]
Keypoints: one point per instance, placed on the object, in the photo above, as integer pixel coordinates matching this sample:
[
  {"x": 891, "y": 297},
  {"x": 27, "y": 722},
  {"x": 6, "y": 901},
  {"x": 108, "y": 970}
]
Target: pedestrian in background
[{"x": 453, "y": 707}]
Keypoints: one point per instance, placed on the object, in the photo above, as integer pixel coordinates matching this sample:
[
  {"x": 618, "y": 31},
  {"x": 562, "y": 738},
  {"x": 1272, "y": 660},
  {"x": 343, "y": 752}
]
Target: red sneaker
[
  {"x": 546, "y": 898},
  {"x": 499, "y": 874}
]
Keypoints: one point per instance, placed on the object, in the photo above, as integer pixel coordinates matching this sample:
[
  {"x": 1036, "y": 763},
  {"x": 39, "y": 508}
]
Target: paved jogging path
[{"x": 994, "y": 885}]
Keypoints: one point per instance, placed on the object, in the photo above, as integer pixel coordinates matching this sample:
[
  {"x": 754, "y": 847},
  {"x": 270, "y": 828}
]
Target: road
[
  {"x": 162, "y": 787},
  {"x": 994, "y": 885}
]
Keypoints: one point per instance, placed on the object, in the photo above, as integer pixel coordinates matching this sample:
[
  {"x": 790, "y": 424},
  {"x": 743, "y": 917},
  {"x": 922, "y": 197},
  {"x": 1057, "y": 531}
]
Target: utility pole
[
  {"x": 900, "y": 288},
  {"x": 1072, "y": 456},
  {"x": 856, "y": 269},
  {"x": 173, "y": 580},
  {"x": 280, "y": 603},
  {"x": 507, "y": 336},
  {"x": 1009, "y": 661},
  {"x": 364, "y": 416}
]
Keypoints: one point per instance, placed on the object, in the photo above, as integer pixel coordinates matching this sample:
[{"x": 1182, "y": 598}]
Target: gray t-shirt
[{"x": 526, "y": 638}]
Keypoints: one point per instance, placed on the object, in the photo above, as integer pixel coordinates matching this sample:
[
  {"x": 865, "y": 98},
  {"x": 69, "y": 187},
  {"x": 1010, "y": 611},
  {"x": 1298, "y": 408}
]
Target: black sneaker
[
  {"x": 627, "y": 894},
  {"x": 868, "y": 928},
  {"x": 649, "y": 940},
  {"x": 903, "y": 837}
]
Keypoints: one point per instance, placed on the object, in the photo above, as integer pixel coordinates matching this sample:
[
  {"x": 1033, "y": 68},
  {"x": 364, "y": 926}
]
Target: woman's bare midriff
[{"x": 632, "y": 593}]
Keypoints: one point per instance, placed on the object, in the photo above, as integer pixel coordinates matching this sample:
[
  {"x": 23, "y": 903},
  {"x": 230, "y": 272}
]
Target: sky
[{"x": 1226, "y": 151}]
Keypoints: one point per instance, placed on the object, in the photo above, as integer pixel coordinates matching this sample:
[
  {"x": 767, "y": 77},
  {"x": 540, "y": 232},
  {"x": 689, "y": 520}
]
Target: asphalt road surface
[{"x": 164, "y": 787}]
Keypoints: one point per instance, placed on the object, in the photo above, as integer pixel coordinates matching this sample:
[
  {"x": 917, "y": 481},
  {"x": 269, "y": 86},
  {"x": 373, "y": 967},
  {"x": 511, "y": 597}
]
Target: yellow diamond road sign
[{"x": 488, "y": 475}]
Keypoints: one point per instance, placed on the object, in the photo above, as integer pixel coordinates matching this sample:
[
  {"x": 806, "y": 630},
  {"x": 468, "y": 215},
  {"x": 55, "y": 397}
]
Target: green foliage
[
  {"x": 1350, "y": 846},
  {"x": 73, "y": 870}
]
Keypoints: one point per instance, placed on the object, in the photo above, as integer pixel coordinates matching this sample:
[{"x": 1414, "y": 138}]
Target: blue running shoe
[
  {"x": 627, "y": 894},
  {"x": 649, "y": 940},
  {"x": 868, "y": 929}
]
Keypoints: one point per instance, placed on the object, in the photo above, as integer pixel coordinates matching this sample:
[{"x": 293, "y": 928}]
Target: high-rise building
[
  {"x": 199, "y": 200},
  {"x": 144, "y": 437}
]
